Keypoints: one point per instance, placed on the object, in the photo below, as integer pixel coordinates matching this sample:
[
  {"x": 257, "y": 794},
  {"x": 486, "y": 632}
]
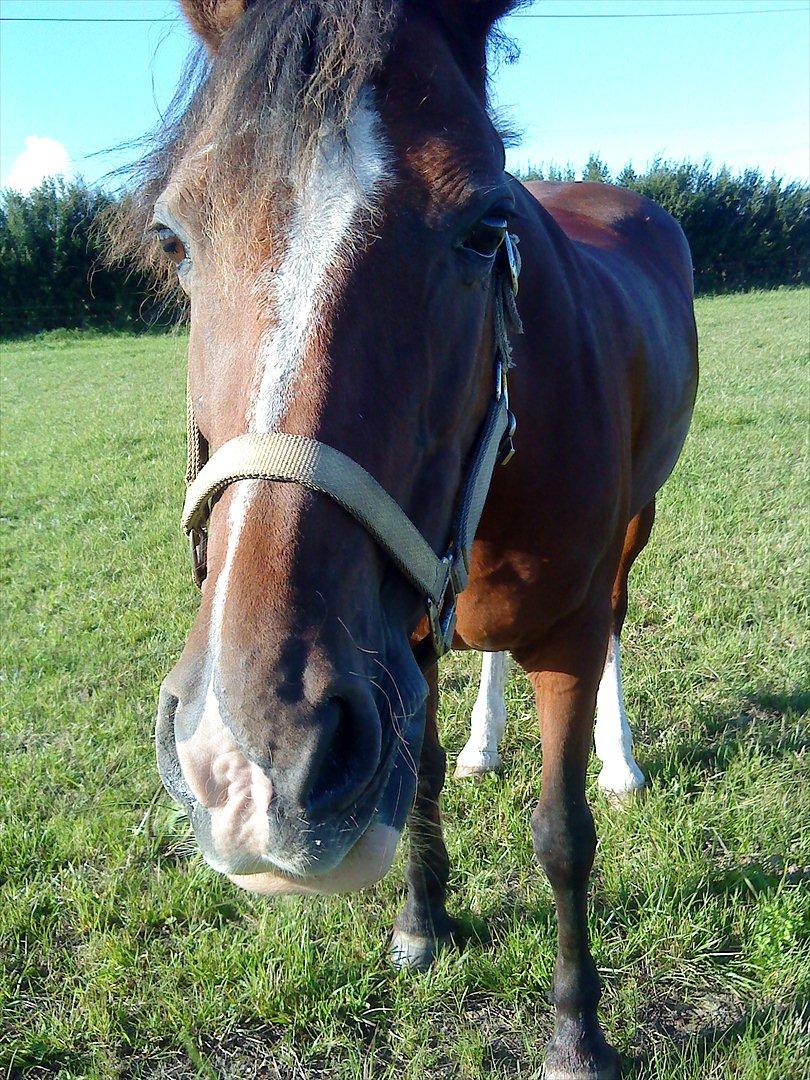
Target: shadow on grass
[
  {"x": 764, "y": 720},
  {"x": 674, "y": 1031},
  {"x": 37, "y": 1066},
  {"x": 691, "y": 1041},
  {"x": 250, "y": 1050},
  {"x": 749, "y": 882}
]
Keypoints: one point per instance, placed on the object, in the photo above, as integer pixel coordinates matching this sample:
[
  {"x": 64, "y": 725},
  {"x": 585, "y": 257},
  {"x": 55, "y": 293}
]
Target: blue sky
[{"x": 734, "y": 87}]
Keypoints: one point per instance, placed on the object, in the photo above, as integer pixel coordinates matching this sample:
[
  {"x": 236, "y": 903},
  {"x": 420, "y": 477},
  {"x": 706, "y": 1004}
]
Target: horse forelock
[
  {"x": 246, "y": 122},
  {"x": 289, "y": 74}
]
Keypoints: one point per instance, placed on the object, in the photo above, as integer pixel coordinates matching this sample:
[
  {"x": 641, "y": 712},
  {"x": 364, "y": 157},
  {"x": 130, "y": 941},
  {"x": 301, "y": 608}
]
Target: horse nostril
[{"x": 347, "y": 757}]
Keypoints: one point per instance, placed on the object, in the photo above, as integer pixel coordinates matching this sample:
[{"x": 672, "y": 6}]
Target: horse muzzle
[{"x": 324, "y": 819}]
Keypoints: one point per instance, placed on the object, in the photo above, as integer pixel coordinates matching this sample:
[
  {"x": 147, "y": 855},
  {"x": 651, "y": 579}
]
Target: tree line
[
  {"x": 53, "y": 267},
  {"x": 745, "y": 231}
]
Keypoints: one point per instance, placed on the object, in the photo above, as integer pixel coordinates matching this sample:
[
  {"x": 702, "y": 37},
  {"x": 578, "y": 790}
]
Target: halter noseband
[{"x": 278, "y": 456}]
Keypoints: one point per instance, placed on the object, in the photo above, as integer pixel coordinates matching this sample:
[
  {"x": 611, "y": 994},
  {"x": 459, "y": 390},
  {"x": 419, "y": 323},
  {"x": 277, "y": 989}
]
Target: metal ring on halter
[{"x": 506, "y": 450}]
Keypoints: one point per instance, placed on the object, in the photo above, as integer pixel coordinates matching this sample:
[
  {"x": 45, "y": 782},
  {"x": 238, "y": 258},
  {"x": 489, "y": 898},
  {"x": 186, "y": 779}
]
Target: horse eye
[
  {"x": 171, "y": 244},
  {"x": 486, "y": 236}
]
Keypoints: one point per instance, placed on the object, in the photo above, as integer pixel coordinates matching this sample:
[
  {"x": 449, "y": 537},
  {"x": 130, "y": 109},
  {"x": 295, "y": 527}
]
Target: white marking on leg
[
  {"x": 613, "y": 740},
  {"x": 488, "y": 722}
]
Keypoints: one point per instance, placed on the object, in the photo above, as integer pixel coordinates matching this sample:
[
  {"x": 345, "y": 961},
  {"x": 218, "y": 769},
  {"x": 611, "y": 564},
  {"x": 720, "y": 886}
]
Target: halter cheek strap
[{"x": 279, "y": 456}]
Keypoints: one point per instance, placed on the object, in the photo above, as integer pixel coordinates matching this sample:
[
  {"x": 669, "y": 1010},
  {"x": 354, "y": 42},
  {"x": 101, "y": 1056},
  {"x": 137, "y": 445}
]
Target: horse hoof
[
  {"x": 623, "y": 789},
  {"x": 626, "y": 797},
  {"x": 565, "y": 1063},
  {"x": 603, "y": 1072},
  {"x": 478, "y": 766},
  {"x": 580, "y": 1074},
  {"x": 414, "y": 952}
]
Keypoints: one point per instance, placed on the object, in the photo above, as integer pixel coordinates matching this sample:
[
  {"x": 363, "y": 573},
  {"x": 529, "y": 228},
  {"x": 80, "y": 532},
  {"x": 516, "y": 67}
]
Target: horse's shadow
[
  {"x": 765, "y": 720},
  {"x": 699, "y": 1045},
  {"x": 677, "y": 1023}
]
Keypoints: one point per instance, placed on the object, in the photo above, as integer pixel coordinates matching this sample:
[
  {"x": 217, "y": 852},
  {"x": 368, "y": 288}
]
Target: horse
[
  {"x": 331, "y": 195},
  {"x": 620, "y": 777}
]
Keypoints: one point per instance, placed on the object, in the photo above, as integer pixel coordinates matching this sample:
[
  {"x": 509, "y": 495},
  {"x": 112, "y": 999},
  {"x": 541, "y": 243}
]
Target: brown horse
[{"x": 332, "y": 197}]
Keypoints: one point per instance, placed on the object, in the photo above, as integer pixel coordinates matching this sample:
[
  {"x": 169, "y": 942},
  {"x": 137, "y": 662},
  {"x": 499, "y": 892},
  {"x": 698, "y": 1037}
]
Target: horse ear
[
  {"x": 211, "y": 20},
  {"x": 477, "y": 16},
  {"x": 469, "y": 22}
]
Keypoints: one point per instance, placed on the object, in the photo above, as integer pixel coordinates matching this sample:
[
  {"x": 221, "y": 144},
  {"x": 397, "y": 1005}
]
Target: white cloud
[{"x": 41, "y": 157}]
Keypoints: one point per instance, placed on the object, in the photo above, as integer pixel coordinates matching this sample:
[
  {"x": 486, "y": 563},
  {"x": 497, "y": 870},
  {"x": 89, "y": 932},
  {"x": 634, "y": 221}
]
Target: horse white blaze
[
  {"x": 613, "y": 740},
  {"x": 481, "y": 755},
  {"x": 333, "y": 201},
  {"x": 342, "y": 184}
]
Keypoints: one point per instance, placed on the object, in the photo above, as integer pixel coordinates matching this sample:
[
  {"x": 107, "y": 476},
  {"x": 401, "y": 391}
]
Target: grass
[{"x": 125, "y": 956}]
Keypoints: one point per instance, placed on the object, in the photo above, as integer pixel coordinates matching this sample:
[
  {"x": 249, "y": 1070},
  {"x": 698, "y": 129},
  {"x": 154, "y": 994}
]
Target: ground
[{"x": 125, "y": 956}]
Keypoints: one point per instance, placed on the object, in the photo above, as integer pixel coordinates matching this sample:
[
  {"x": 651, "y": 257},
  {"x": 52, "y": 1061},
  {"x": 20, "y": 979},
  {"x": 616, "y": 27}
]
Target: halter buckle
[
  {"x": 198, "y": 547},
  {"x": 442, "y": 616},
  {"x": 506, "y": 450}
]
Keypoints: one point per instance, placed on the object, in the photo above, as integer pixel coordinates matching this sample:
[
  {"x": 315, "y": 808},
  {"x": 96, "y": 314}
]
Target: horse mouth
[{"x": 295, "y": 854}]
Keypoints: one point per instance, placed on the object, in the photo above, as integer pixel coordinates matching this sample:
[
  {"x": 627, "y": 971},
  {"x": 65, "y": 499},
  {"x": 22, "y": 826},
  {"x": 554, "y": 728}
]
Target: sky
[{"x": 629, "y": 80}]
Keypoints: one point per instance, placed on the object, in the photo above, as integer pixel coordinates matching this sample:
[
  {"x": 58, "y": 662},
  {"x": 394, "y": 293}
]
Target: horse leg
[
  {"x": 620, "y": 776},
  {"x": 423, "y": 925},
  {"x": 480, "y": 755},
  {"x": 565, "y": 673}
]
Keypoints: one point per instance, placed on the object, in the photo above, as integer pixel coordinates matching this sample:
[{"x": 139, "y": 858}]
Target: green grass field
[{"x": 125, "y": 956}]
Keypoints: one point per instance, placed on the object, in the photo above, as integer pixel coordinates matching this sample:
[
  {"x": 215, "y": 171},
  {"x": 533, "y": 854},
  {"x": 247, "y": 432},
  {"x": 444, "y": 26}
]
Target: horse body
[
  {"x": 626, "y": 270},
  {"x": 603, "y": 385},
  {"x": 335, "y": 203}
]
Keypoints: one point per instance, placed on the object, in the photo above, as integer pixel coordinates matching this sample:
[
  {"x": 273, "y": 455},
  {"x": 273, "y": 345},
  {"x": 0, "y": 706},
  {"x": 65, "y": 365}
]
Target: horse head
[{"x": 332, "y": 198}]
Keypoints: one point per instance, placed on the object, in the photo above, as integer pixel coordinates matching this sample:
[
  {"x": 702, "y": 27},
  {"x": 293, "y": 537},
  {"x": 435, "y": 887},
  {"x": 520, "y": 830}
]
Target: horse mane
[{"x": 252, "y": 114}]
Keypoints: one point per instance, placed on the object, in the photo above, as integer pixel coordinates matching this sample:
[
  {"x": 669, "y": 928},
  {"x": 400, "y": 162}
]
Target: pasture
[{"x": 125, "y": 956}]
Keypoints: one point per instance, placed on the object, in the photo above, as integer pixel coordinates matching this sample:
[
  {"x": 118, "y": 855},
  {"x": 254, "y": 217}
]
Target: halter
[{"x": 279, "y": 456}]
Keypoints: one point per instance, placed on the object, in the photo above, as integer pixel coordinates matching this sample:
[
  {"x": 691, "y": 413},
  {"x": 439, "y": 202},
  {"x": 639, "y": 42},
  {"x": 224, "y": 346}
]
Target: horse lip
[{"x": 361, "y": 805}]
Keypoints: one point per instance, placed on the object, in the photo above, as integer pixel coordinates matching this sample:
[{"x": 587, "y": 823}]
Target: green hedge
[
  {"x": 745, "y": 231},
  {"x": 52, "y": 270}
]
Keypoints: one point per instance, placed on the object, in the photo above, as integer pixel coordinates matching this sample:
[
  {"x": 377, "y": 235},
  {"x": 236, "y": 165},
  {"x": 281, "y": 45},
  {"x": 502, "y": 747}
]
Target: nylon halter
[{"x": 279, "y": 456}]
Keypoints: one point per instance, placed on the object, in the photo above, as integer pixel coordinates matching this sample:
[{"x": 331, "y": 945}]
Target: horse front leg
[
  {"x": 423, "y": 926},
  {"x": 565, "y": 674}
]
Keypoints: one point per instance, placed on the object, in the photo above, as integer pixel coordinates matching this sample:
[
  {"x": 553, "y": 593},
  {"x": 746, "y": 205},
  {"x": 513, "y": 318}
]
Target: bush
[
  {"x": 746, "y": 231},
  {"x": 52, "y": 271}
]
